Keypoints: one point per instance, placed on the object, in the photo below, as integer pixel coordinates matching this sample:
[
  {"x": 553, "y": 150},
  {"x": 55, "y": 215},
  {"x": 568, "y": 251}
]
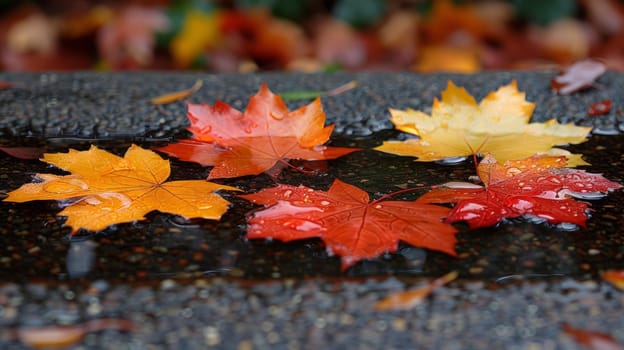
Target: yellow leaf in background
[
  {"x": 458, "y": 127},
  {"x": 448, "y": 59},
  {"x": 106, "y": 189},
  {"x": 200, "y": 31}
]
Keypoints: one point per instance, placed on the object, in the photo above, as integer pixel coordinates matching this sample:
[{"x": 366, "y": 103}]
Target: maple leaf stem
[
  {"x": 475, "y": 162},
  {"x": 342, "y": 88}
]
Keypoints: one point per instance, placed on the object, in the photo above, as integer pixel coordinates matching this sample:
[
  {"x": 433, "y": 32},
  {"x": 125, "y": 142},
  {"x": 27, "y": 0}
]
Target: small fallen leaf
[
  {"x": 599, "y": 108},
  {"x": 578, "y": 76},
  {"x": 66, "y": 335},
  {"x": 105, "y": 189},
  {"x": 409, "y": 299},
  {"x": 540, "y": 186},
  {"x": 615, "y": 277},
  {"x": 311, "y": 94},
  {"x": 177, "y": 95},
  {"x": 350, "y": 225},
  {"x": 23, "y": 152},
  {"x": 499, "y": 124},
  {"x": 262, "y": 139},
  {"x": 593, "y": 340}
]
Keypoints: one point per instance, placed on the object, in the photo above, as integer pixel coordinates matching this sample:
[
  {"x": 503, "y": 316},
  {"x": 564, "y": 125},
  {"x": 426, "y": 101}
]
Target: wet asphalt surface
[{"x": 199, "y": 284}]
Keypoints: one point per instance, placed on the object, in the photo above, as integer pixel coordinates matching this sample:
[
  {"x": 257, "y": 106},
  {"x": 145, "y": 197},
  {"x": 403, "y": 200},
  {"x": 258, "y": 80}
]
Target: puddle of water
[{"x": 35, "y": 245}]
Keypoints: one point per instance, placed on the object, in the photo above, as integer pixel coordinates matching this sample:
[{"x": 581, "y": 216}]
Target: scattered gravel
[{"x": 166, "y": 283}]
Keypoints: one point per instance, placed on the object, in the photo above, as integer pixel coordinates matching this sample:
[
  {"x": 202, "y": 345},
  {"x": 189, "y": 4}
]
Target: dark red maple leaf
[
  {"x": 540, "y": 186},
  {"x": 350, "y": 225},
  {"x": 266, "y": 135}
]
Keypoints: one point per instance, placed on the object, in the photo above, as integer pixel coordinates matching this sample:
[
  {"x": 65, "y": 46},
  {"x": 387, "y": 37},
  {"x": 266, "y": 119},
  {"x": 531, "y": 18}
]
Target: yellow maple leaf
[
  {"x": 199, "y": 32},
  {"x": 499, "y": 124},
  {"x": 106, "y": 189}
]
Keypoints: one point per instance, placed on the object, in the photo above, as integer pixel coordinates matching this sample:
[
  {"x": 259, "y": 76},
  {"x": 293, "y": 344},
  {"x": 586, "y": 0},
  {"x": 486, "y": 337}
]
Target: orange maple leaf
[
  {"x": 266, "y": 134},
  {"x": 106, "y": 189},
  {"x": 350, "y": 225}
]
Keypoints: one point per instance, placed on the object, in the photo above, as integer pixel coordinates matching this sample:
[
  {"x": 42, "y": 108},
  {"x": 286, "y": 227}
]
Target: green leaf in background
[
  {"x": 543, "y": 12},
  {"x": 291, "y": 9},
  {"x": 332, "y": 68},
  {"x": 311, "y": 94},
  {"x": 177, "y": 15},
  {"x": 301, "y": 95},
  {"x": 359, "y": 13}
]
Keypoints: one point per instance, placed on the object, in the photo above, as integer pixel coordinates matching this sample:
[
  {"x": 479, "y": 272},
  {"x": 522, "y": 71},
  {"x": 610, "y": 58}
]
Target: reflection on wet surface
[{"x": 35, "y": 245}]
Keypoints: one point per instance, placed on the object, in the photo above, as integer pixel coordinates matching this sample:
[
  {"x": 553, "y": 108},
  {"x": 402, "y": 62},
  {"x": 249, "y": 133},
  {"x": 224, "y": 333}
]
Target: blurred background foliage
[{"x": 309, "y": 35}]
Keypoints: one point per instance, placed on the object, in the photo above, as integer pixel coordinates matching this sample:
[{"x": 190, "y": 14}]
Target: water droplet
[
  {"x": 206, "y": 129},
  {"x": 92, "y": 201},
  {"x": 80, "y": 258},
  {"x": 378, "y": 206},
  {"x": 276, "y": 116},
  {"x": 602, "y": 131},
  {"x": 325, "y": 203},
  {"x": 287, "y": 193},
  {"x": 65, "y": 186},
  {"x": 585, "y": 195},
  {"x": 566, "y": 226},
  {"x": 457, "y": 184},
  {"x": 554, "y": 180},
  {"x": 247, "y": 130},
  {"x": 450, "y": 160},
  {"x": 522, "y": 205},
  {"x": 308, "y": 226}
]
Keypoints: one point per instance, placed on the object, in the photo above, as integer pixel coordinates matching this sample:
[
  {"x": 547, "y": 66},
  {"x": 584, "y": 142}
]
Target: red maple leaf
[
  {"x": 540, "y": 186},
  {"x": 266, "y": 135},
  {"x": 350, "y": 225}
]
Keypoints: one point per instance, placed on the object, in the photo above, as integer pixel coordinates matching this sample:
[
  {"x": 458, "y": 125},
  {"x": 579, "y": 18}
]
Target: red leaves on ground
[
  {"x": 537, "y": 186},
  {"x": 350, "y": 225},
  {"x": 266, "y": 135}
]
